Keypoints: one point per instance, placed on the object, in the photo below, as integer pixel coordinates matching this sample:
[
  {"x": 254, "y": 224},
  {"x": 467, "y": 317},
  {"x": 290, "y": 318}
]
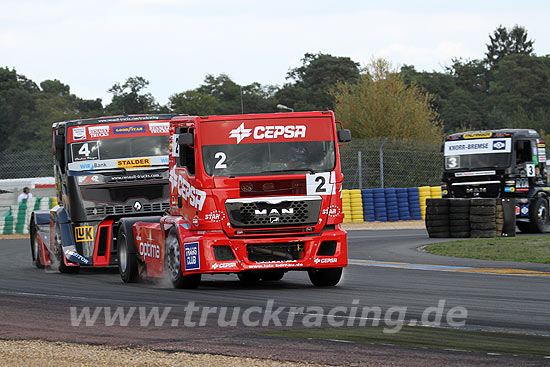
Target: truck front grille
[
  {"x": 273, "y": 212},
  {"x": 126, "y": 209},
  {"x": 275, "y": 251}
]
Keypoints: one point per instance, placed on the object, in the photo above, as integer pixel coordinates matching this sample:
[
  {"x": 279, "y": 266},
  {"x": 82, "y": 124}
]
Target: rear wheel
[
  {"x": 127, "y": 262},
  {"x": 172, "y": 262},
  {"x": 538, "y": 213},
  {"x": 36, "y": 248},
  {"x": 325, "y": 277}
]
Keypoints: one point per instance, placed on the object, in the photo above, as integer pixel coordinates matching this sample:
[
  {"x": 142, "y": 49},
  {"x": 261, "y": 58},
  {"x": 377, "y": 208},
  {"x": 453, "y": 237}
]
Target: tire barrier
[
  {"x": 16, "y": 219},
  {"x": 391, "y": 204},
  {"x": 465, "y": 218}
]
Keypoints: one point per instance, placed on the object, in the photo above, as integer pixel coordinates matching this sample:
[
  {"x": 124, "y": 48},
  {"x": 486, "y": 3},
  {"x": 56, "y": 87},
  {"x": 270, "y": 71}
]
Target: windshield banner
[
  {"x": 125, "y": 163},
  {"x": 121, "y": 130},
  {"x": 478, "y": 146},
  {"x": 249, "y": 131}
]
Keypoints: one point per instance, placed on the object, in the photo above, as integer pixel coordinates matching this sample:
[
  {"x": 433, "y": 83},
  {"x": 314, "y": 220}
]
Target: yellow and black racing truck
[
  {"x": 105, "y": 169},
  {"x": 507, "y": 164}
]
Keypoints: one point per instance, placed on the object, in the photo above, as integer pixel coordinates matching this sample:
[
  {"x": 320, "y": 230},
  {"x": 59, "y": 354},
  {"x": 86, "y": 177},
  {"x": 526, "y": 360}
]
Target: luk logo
[
  {"x": 84, "y": 233},
  {"x": 269, "y": 132},
  {"x": 499, "y": 145}
]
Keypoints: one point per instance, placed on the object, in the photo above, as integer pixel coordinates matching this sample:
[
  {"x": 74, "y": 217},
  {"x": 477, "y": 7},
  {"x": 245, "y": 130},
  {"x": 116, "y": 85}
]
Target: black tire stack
[
  {"x": 437, "y": 218},
  {"x": 499, "y": 218},
  {"x": 483, "y": 218},
  {"x": 459, "y": 218}
]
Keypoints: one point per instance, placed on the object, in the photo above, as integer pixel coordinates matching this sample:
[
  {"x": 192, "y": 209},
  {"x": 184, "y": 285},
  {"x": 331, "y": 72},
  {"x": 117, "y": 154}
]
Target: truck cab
[
  {"x": 256, "y": 195},
  {"x": 507, "y": 163},
  {"x": 105, "y": 169}
]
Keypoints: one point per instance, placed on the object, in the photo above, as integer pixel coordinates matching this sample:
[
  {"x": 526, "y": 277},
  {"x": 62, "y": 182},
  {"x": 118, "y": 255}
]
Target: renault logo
[{"x": 137, "y": 206}]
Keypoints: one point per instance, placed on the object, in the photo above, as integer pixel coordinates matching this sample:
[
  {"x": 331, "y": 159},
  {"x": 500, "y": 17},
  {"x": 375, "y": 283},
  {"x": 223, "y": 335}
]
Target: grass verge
[
  {"x": 429, "y": 337},
  {"x": 520, "y": 249}
]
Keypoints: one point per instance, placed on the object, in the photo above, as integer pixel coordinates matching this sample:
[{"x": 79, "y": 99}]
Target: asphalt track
[{"x": 35, "y": 304}]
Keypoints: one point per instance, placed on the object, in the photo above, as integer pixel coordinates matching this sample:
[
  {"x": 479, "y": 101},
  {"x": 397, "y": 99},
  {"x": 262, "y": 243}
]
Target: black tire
[
  {"x": 474, "y": 233},
  {"x": 459, "y": 203},
  {"x": 524, "y": 227},
  {"x": 483, "y": 202},
  {"x": 459, "y": 209},
  {"x": 484, "y": 226},
  {"x": 327, "y": 277},
  {"x": 481, "y": 219},
  {"x": 460, "y": 234},
  {"x": 58, "y": 253},
  {"x": 460, "y": 223},
  {"x": 438, "y": 229},
  {"x": 459, "y": 228},
  {"x": 36, "y": 250},
  {"x": 249, "y": 277},
  {"x": 461, "y": 216},
  {"x": 435, "y": 223},
  {"x": 539, "y": 216},
  {"x": 439, "y": 235},
  {"x": 437, "y": 202},
  {"x": 272, "y": 275},
  {"x": 482, "y": 210},
  {"x": 430, "y": 217},
  {"x": 172, "y": 264},
  {"x": 437, "y": 210},
  {"x": 127, "y": 261}
]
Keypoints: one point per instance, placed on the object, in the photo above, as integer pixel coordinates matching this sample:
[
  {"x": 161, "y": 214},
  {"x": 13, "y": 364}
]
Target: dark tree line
[{"x": 510, "y": 87}]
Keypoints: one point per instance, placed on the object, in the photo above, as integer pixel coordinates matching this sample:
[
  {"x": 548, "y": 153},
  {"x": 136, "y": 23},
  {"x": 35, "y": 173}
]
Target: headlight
[{"x": 510, "y": 182}]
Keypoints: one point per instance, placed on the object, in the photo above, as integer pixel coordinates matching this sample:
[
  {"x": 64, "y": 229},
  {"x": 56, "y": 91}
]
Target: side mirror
[
  {"x": 344, "y": 135},
  {"x": 186, "y": 139}
]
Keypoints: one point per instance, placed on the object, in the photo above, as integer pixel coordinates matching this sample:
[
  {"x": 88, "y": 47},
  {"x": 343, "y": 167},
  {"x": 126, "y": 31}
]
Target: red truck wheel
[
  {"x": 172, "y": 264},
  {"x": 325, "y": 277},
  {"x": 127, "y": 263}
]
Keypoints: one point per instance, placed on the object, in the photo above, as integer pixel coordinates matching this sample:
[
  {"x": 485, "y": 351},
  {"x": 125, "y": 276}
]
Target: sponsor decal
[
  {"x": 88, "y": 179},
  {"x": 149, "y": 250},
  {"x": 329, "y": 260},
  {"x": 517, "y": 210},
  {"x": 268, "y": 132},
  {"x": 479, "y": 146},
  {"x": 215, "y": 216},
  {"x": 273, "y": 212},
  {"x": 129, "y": 129},
  {"x": 159, "y": 128},
  {"x": 224, "y": 265},
  {"x": 509, "y": 189},
  {"x": 188, "y": 192},
  {"x": 99, "y": 131},
  {"x": 191, "y": 255},
  {"x": 477, "y": 173},
  {"x": 524, "y": 210},
  {"x": 79, "y": 133},
  {"x": 69, "y": 254},
  {"x": 84, "y": 233},
  {"x": 332, "y": 211},
  {"x": 477, "y": 135},
  {"x": 276, "y": 265},
  {"x": 133, "y": 163},
  {"x": 196, "y": 220}
]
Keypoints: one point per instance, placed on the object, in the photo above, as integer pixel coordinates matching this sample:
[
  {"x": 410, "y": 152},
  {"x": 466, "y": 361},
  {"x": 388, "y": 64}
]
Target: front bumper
[{"x": 201, "y": 253}]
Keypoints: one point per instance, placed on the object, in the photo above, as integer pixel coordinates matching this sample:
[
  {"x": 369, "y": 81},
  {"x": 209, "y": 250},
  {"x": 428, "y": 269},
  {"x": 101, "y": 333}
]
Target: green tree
[
  {"x": 192, "y": 102},
  {"x": 129, "y": 97},
  {"x": 314, "y": 80},
  {"x": 382, "y": 105},
  {"x": 507, "y": 41}
]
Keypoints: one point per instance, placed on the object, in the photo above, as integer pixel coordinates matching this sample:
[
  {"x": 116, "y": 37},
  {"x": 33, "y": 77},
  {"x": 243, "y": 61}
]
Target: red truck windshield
[{"x": 268, "y": 158}]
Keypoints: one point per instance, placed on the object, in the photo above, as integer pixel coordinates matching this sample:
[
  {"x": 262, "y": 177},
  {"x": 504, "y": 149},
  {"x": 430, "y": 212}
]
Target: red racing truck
[
  {"x": 105, "y": 169},
  {"x": 256, "y": 195}
]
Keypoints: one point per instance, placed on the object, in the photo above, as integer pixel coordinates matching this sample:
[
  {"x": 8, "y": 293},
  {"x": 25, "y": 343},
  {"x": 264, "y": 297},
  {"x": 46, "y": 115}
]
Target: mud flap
[
  {"x": 71, "y": 257},
  {"x": 509, "y": 209}
]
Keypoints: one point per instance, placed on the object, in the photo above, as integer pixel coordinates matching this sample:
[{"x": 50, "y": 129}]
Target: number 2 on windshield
[{"x": 319, "y": 184}]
